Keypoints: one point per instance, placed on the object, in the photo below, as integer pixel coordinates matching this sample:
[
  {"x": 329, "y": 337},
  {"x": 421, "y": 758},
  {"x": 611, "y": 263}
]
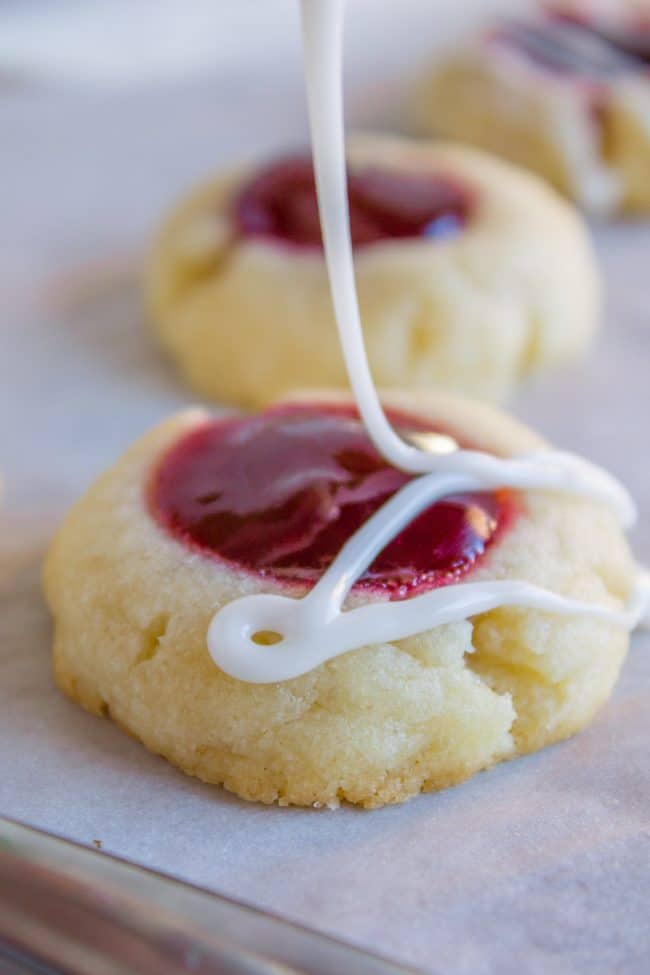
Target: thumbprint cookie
[
  {"x": 205, "y": 510},
  {"x": 471, "y": 275},
  {"x": 565, "y": 94}
]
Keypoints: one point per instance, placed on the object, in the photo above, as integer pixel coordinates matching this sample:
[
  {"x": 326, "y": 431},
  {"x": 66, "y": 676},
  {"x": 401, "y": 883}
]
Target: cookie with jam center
[
  {"x": 471, "y": 276},
  {"x": 565, "y": 94},
  {"x": 203, "y": 510}
]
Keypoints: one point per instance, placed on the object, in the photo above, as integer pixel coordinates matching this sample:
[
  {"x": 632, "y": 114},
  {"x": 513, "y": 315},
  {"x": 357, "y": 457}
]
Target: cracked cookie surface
[{"x": 132, "y": 604}]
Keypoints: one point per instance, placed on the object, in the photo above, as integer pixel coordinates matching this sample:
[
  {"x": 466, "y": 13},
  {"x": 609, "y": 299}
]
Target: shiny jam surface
[
  {"x": 279, "y": 203},
  {"x": 280, "y": 493}
]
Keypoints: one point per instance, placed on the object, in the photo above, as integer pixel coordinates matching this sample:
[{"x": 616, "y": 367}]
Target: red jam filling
[
  {"x": 576, "y": 46},
  {"x": 280, "y": 493},
  {"x": 279, "y": 203},
  {"x": 628, "y": 33}
]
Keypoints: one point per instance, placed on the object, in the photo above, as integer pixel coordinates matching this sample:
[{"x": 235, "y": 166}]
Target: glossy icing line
[
  {"x": 322, "y": 45},
  {"x": 268, "y": 637},
  {"x": 315, "y": 628}
]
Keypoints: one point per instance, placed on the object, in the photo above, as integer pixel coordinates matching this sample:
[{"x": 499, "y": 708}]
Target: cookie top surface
[
  {"x": 133, "y": 603},
  {"x": 278, "y": 203},
  {"x": 280, "y": 493}
]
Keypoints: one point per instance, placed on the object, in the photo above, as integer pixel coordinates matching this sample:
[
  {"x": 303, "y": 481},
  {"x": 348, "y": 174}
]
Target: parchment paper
[{"x": 540, "y": 866}]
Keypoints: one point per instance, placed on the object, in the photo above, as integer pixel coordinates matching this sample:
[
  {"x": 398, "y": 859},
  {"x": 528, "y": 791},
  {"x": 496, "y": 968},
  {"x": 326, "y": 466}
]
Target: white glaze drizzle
[{"x": 315, "y": 628}]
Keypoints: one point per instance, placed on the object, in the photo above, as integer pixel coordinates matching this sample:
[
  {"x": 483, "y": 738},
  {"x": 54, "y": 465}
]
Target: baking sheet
[{"x": 540, "y": 866}]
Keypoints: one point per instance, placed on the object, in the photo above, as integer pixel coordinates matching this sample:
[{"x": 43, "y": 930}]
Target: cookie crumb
[{"x": 97, "y": 844}]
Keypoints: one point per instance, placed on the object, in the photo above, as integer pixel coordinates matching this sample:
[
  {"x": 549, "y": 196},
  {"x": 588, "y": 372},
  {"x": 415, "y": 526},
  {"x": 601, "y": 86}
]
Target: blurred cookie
[
  {"x": 203, "y": 510},
  {"x": 566, "y": 95},
  {"x": 471, "y": 275}
]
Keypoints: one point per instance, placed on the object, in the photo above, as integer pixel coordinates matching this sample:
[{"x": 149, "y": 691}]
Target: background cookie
[
  {"x": 566, "y": 95},
  {"x": 471, "y": 275},
  {"x": 132, "y": 600}
]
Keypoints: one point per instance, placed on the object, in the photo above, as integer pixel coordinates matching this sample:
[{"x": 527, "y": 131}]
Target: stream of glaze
[{"x": 305, "y": 632}]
